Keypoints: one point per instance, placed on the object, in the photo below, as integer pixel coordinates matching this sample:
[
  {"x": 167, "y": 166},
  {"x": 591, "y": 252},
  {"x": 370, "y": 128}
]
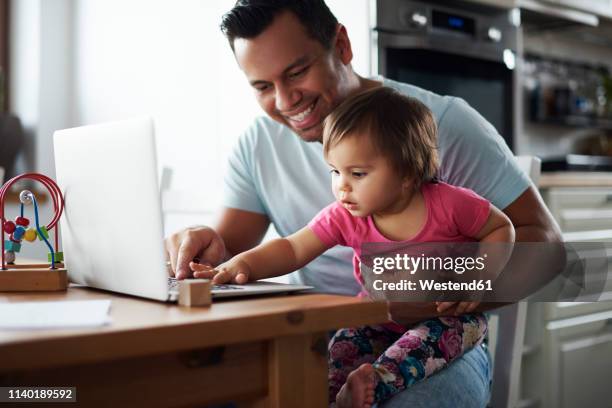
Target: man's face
[{"x": 296, "y": 81}]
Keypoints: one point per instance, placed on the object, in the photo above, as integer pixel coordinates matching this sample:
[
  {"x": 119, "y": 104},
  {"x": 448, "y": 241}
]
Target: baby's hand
[
  {"x": 462, "y": 307},
  {"x": 232, "y": 271}
]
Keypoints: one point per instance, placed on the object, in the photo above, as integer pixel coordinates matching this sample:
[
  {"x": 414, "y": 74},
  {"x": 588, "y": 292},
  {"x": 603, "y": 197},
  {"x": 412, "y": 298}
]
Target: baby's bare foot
[{"x": 358, "y": 391}]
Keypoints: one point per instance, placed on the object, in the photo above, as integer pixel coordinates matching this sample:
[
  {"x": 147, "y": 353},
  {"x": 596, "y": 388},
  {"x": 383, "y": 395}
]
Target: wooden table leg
[{"x": 297, "y": 371}]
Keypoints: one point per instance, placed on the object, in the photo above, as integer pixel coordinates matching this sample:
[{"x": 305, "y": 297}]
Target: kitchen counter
[{"x": 575, "y": 179}]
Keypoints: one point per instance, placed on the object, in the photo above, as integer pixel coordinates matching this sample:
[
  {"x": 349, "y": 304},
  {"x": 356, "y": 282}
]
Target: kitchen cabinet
[
  {"x": 581, "y": 203},
  {"x": 581, "y": 208},
  {"x": 567, "y": 354},
  {"x": 570, "y": 366},
  {"x": 599, "y": 7}
]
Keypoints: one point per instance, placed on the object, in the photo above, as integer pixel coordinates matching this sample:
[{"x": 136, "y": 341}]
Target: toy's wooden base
[{"x": 33, "y": 277}]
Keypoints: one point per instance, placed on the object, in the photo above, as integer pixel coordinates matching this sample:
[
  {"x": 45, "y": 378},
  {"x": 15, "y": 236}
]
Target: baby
[{"x": 381, "y": 149}]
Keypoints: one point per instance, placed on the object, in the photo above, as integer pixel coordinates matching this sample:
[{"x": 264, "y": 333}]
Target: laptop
[{"x": 111, "y": 229}]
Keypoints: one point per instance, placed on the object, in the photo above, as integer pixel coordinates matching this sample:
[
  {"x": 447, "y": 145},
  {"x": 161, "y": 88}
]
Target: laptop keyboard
[{"x": 173, "y": 286}]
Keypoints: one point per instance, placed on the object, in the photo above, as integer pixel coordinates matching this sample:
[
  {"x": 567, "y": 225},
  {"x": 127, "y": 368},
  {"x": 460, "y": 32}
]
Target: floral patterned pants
[{"x": 401, "y": 360}]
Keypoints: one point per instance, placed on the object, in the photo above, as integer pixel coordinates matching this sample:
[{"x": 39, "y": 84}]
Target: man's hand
[
  {"x": 200, "y": 243},
  {"x": 461, "y": 307},
  {"x": 408, "y": 313},
  {"x": 233, "y": 271}
]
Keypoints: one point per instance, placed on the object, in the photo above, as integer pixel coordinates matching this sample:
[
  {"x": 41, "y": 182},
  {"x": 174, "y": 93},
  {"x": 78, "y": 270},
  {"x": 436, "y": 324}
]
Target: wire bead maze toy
[{"x": 31, "y": 277}]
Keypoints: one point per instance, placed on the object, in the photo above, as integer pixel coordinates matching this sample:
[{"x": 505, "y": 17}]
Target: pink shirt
[{"x": 453, "y": 214}]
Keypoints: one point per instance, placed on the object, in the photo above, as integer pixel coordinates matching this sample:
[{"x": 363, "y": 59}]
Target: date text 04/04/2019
[{"x": 428, "y": 284}]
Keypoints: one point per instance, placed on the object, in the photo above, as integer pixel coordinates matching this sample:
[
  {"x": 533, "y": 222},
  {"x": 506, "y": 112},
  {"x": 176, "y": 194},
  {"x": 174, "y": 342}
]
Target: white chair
[
  {"x": 531, "y": 165},
  {"x": 507, "y": 330}
]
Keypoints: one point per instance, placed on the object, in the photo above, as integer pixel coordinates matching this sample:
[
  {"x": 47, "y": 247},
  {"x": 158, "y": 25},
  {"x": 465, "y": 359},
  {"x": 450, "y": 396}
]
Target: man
[{"x": 297, "y": 58}]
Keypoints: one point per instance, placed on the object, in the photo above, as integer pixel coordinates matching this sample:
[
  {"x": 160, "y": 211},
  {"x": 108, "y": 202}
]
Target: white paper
[{"x": 54, "y": 315}]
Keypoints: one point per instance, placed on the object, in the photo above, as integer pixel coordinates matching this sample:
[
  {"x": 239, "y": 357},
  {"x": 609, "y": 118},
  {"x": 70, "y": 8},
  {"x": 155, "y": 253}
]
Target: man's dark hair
[{"x": 249, "y": 18}]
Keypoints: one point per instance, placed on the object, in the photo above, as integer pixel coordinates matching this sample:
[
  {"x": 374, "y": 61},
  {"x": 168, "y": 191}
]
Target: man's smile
[{"x": 303, "y": 119}]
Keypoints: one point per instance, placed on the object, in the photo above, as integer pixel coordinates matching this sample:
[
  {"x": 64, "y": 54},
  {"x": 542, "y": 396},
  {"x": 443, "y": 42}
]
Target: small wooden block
[
  {"x": 194, "y": 292},
  {"x": 25, "y": 278}
]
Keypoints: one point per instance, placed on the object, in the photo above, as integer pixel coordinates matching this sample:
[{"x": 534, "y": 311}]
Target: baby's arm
[
  {"x": 497, "y": 229},
  {"x": 274, "y": 258}
]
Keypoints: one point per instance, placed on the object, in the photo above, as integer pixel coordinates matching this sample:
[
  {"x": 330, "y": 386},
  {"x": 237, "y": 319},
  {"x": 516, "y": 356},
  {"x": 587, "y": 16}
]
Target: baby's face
[{"x": 364, "y": 181}]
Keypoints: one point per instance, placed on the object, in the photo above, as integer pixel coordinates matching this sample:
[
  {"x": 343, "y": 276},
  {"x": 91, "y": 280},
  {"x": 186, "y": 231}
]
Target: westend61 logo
[
  {"x": 493, "y": 272},
  {"x": 444, "y": 267},
  {"x": 412, "y": 264},
  {"x": 432, "y": 285}
]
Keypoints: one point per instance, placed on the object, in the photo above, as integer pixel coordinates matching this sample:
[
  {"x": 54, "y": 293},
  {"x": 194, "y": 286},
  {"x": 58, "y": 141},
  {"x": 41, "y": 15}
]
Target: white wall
[
  {"x": 25, "y": 70},
  {"x": 354, "y": 15},
  {"x": 55, "y": 78},
  {"x": 167, "y": 59},
  {"x": 41, "y": 67},
  {"x": 79, "y": 62}
]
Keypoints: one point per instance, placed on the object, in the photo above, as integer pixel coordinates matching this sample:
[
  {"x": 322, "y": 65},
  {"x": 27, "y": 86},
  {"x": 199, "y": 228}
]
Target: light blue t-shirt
[{"x": 273, "y": 172}]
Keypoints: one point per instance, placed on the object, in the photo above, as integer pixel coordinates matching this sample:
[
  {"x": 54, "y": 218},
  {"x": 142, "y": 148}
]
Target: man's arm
[
  {"x": 236, "y": 232},
  {"x": 532, "y": 222},
  {"x": 241, "y": 230}
]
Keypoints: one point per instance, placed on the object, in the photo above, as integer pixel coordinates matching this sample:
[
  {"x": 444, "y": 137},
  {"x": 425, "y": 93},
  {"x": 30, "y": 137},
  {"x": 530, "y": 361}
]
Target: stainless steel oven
[{"x": 451, "y": 48}]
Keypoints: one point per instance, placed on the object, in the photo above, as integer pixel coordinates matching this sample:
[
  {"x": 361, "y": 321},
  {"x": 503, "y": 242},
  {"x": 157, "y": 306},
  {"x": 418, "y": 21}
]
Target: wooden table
[{"x": 263, "y": 352}]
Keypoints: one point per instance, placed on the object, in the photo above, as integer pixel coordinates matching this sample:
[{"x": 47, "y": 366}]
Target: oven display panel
[{"x": 453, "y": 22}]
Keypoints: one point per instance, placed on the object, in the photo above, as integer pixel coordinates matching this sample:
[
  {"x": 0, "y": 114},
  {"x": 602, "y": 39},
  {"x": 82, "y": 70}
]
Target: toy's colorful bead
[
  {"x": 59, "y": 257},
  {"x": 23, "y": 221},
  {"x": 9, "y": 227},
  {"x": 9, "y": 257},
  {"x": 12, "y": 246},
  {"x": 44, "y": 231},
  {"x": 26, "y": 197},
  {"x": 30, "y": 235},
  {"x": 18, "y": 233}
]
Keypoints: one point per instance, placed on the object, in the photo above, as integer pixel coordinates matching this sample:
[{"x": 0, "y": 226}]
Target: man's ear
[{"x": 343, "y": 45}]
